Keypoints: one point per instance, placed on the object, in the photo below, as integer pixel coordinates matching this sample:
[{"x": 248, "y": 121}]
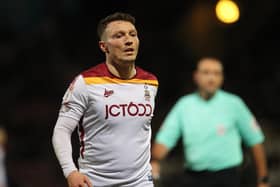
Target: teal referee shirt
[{"x": 212, "y": 130}]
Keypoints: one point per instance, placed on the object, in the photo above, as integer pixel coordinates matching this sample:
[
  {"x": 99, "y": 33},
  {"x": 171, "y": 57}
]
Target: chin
[
  {"x": 212, "y": 91},
  {"x": 128, "y": 60}
]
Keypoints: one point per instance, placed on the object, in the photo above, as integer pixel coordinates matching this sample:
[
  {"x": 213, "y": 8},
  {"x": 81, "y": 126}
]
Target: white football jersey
[{"x": 115, "y": 125}]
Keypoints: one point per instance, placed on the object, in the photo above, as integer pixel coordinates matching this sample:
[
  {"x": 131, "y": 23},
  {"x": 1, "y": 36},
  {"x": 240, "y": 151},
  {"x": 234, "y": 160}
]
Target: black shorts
[{"x": 224, "y": 178}]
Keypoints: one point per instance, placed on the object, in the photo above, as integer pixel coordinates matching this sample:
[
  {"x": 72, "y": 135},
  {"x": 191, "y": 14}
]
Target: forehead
[
  {"x": 210, "y": 64},
  {"x": 119, "y": 25}
]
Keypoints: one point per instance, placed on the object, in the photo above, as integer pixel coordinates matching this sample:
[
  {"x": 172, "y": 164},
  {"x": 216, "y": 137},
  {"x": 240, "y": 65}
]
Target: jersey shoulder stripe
[
  {"x": 99, "y": 70},
  {"x": 100, "y": 75}
]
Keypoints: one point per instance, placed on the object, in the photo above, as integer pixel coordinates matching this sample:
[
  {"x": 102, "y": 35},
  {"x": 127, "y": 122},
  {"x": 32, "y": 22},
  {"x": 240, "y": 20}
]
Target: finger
[
  {"x": 83, "y": 185},
  {"x": 156, "y": 175},
  {"x": 88, "y": 182}
]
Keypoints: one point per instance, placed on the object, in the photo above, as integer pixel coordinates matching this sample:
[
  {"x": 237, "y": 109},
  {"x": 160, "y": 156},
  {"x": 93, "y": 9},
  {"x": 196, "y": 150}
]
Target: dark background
[{"x": 46, "y": 43}]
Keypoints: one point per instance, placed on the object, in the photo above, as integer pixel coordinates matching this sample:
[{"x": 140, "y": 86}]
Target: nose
[
  {"x": 128, "y": 43},
  {"x": 128, "y": 40}
]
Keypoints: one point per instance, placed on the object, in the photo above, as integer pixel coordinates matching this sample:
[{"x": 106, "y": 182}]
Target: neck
[
  {"x": 206, "y": 95},
  {"x": 126, "y": 71}
]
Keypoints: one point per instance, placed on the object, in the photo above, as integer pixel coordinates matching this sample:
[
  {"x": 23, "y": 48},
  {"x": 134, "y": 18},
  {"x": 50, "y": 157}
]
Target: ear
[
  {"x": 223, "y": 78},
  {"x": 103, "y": 46},
  {"x": 195, "y": 76}
]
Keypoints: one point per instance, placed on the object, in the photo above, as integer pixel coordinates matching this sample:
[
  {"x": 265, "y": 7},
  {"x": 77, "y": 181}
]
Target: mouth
[{"x": 129, "y": 50}]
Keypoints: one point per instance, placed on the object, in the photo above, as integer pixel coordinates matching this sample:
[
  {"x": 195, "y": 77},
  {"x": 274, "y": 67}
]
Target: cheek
[
  {"x": 202, "y": 81},
  {"x": 137, "y": 42},
  {"x": 114, "y": 45},
  {"x": 218, "y": 79},
  {"x": 209, "y": 81}
]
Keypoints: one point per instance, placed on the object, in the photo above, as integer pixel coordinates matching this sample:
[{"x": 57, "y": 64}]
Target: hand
[
  {"x": 76, "y": 179},
  {"x": 155, "y": 169},
  {"x": 263, "y": 185}
]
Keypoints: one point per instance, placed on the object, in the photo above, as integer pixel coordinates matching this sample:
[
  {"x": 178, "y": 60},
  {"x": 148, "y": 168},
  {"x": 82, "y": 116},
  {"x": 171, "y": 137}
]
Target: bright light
[{"x": 227, "y": 11}]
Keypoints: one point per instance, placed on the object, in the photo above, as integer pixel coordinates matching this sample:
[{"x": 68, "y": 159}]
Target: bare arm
[
  {"x": 3, "y": 137},
  {"x": 260, "y": 162},
  {"x": 159, "y": 152}
]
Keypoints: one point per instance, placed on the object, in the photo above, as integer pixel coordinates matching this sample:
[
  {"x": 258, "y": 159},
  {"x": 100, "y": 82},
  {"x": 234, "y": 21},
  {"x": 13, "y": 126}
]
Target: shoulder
[
  {"x": 186, "y": 100},
  {"x": 231, "y": 97},
  {"x": 188, "y": 97},
  {"x": 96, "y": 74},
  {"x": 99, "y": 70},
  {"x": 145, "y": 75},
  {"x": 77, "y": 85},
  {"x": 80, "y": 80}
]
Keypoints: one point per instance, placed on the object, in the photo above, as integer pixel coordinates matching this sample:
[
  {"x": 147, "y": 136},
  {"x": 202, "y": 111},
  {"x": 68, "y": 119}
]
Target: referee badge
[
  {"x": 254, "y": 125},
  {"x": 221, "y": 130}
]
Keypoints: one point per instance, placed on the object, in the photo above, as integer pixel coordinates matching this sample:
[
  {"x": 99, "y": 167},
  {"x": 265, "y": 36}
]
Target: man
[
  {"x": 212, "y": 124},
  {"x": 113, "y": 104}
]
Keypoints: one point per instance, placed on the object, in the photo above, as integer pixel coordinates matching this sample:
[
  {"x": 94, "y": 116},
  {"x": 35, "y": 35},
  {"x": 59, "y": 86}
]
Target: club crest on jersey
[
  {"x": 108, "y": 93},
  {"x": 147, "y": 94}
]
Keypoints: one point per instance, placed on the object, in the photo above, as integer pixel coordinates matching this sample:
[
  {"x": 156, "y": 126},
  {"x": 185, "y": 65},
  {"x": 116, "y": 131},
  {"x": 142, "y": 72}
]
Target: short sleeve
[
  {"x": 170, "y": 131},
  {"x": 247, "y": 125},
  {"x": 75, "y": 99}
]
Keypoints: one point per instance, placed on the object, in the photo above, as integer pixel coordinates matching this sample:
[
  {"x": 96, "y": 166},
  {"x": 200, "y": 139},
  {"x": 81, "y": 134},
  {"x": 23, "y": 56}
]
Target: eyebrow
[{"x": 132, "y": 30}]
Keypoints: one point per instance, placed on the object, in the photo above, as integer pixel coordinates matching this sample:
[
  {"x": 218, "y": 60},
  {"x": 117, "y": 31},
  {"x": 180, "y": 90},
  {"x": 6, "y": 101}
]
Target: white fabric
[
  {"x": 62, "y": 143},
  {"x": 114, "y": 127}
]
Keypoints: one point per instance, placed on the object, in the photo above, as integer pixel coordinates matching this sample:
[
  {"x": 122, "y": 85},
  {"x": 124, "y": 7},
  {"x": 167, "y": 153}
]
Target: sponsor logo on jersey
[
  {"x": 108, "y": 93},
  {"x": 131, "y": 109}
]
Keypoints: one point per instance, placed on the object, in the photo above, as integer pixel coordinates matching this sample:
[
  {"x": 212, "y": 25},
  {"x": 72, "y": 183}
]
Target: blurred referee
[{"x": 213, "y": 124}]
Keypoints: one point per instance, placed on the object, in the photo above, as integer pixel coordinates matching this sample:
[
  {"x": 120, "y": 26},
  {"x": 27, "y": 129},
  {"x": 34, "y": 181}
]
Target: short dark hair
[
  {"x": 215, "y": 59},
  {"x": 117, "y": 16}
]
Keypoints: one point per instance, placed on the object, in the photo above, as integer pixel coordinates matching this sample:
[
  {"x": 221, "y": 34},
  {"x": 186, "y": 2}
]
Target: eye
[
  {"x": 218, "y": 73},
  {"x": 205, "y": 72},
  {"x": 118, "y": 35},
  {"x": 133, "y": 33}
]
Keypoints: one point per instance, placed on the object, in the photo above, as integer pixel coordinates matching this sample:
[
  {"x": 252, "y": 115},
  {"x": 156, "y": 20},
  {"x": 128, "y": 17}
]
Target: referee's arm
[
  {"x": 166, "y": 138},
  {"x": 261, "y": 165},
  {"x": 253, "y": 137}
]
